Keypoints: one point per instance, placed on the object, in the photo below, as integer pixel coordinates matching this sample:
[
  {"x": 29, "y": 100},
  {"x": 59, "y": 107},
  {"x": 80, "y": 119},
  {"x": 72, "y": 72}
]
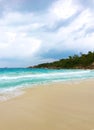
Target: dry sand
[{"x": 59, "y": 106}]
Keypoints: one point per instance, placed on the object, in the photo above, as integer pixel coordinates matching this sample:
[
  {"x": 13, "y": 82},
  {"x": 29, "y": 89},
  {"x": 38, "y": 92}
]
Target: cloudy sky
[{"x": 36, "y": 31}]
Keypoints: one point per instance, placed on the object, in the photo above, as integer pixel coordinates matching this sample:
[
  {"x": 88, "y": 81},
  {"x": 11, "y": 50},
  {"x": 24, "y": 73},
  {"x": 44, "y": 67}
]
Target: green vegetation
[{"x": 84, "y": 61}]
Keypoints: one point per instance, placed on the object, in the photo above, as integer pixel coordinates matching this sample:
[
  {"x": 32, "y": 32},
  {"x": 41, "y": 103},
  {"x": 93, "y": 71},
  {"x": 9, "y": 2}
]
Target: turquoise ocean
[{"x": 12, "y": 79}]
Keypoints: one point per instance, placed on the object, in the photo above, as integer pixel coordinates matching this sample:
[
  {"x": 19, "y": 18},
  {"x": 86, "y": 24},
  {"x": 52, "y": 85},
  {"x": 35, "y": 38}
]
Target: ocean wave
[
  {"x": 43, "y": 75},
  {"x": 8, "y": 93},
  {"x": 11, "y": 82}
]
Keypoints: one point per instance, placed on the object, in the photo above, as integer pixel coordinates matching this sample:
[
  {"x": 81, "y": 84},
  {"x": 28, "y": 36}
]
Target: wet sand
[{"x": 57, "y": 106}]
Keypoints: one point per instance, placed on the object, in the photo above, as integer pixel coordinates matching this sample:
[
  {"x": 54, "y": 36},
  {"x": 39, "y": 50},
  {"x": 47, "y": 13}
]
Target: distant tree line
[{"x": 76, "y": 61}]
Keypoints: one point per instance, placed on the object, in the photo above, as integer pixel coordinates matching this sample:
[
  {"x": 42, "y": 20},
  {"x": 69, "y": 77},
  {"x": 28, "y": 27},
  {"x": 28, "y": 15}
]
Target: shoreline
[
  {"x": 12, "y": 94},
  {"x": 56, "y": 106},
  {"x": 17, "y": 92},
  {"x": 11, "y": 86}
]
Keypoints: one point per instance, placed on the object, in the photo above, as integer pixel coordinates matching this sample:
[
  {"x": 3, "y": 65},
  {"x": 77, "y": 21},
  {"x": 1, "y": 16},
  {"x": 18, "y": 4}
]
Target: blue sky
[{"x": 37, "y": 31}]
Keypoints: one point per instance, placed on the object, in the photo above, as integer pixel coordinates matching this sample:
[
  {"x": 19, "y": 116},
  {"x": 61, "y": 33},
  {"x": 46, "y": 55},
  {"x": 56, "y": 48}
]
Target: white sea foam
[
  {"x": 43, "y": 75},
  {"x": 6, "y": 94},
  {"x": 10, "y": 83}
]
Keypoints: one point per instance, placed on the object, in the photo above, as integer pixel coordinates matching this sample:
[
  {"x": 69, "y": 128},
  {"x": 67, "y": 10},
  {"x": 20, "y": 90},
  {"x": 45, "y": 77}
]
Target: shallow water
[{"x": 11, "y": 79}]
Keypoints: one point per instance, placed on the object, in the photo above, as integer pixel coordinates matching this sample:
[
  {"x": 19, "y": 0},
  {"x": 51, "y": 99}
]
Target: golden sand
[{"x": 59, "y": 106}]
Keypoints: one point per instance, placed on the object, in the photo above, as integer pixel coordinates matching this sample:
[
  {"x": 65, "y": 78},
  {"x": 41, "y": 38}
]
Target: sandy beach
[{"x": 57, "y": 106}]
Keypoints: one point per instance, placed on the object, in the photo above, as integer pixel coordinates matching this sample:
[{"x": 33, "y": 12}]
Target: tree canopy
[{"x": 76, "y": 61}]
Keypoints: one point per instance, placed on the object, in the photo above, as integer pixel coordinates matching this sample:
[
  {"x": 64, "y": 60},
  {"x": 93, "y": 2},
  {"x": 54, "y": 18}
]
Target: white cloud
[
  {"x": 25, "y": 35},
  {"x": 12, "y": 18},
  {"x": 14, "y": 39},
  {"x": 20, "y": 46},
  {"x": 63, "y": 9},
  {"x": 73, "y": 36}
]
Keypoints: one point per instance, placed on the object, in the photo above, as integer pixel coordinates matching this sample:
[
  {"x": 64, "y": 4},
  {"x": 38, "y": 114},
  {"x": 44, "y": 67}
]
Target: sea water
[{"x": 12, "y": 79}]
